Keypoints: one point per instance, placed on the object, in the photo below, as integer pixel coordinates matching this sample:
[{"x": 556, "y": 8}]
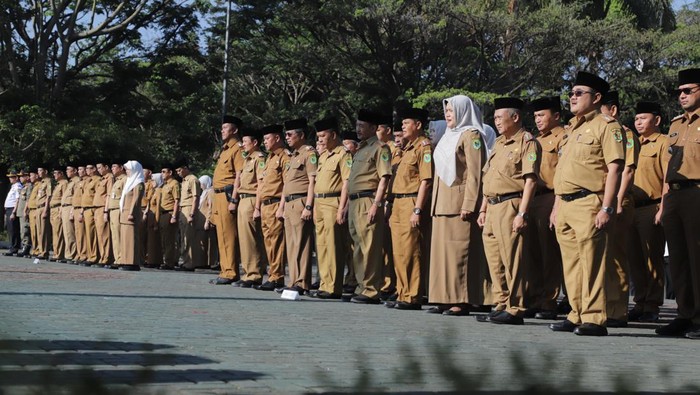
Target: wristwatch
[
  {"x": 417, "y": 211},
  {"x": 523, "y": 214},
  {"x": 608, "y": 210},
  {"x": 378, "y": 204},
  {"x": 308, "y": 207}
]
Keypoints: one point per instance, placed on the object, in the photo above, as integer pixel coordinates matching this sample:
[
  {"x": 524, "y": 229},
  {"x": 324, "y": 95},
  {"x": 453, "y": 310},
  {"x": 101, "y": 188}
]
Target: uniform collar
[
  {"x": 517, "y": 136},
  {"x": 556, "y": 131},
  {"x": 278, "y": 151},
  {"x": 232, "y": 141},
  {"x": 653, "y": 137},
  {"x": 577, "y": 121},
  {"x": 369, "y": 141},
  {"x": 690, "y": 116}
]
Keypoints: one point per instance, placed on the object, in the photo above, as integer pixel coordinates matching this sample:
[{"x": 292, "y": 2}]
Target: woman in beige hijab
[{"x": 130, "y": 216}]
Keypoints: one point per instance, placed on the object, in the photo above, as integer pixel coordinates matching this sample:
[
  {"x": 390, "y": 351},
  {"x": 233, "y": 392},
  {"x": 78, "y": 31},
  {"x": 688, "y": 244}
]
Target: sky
[{"x": 677, "y": 4}]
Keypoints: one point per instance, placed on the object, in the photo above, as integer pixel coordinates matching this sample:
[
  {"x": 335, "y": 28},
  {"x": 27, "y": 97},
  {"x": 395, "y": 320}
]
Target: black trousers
[{"x": 12, "y": 227}]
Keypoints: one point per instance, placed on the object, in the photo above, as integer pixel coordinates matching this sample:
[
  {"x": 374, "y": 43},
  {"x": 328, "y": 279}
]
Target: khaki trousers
[
  {"x": 250, "y": 240},
  {"x": 57, "y": 233},
  {"x": 506, "y": 253},
  {"x": 32, "y": 230},
  {"x": 681, "y": 220},
  {"x": 298, "y": 243},
  {"x": 544, "y": 274},
  {"x": 155, "y": 252},
  {"x": 168, "y": 239},
  {"x": 388, "y": 270},
  {"x": 617, "y": 291},
  {"x": 646, "y": 259},
  {"x": 68, "y": 233},
  {"x": 81, "y": 249},
  {"x": 115, "y": 233},
  {"x": 227, "y": 236},
  {"x": 129, "y": 241},
  {"x": 273, "y": 237},
  {"x": 407, "y": 256},
  {"x": 143, "y": 232},
  {"x": 187, "y": 238},
  {"x": 584, "y": 253},
  {"x": 90, "y": 234},
  {"x": 43, "y": 232},
  {"x": 24, "y": 231},
  {"x": 332, "y": 245},
  {"x": 367, "y": 238},
  {"x": 104, "y": 244}
]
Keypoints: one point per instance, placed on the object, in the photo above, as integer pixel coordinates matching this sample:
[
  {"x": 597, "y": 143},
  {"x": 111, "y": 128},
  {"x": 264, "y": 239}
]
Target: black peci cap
[
  {"x": 648, "y": 107},
  {"x": 295, "y": 124},
  {"x": 415, "y": 113},
  {"x": 272, "y": 129},
  {"x": 330, "y": 123},
  {"x": 611, "y": 98},
  {"x": 508, "y": 102},
  {"x": 546, "y": 103},
  {"x": 592, "y": 81},
  {"x": 370, "y": 117},
  {"x": 231, "y": 119},
  {"x": 349, "y": 136},
  {"x": 689, "y": 76}
]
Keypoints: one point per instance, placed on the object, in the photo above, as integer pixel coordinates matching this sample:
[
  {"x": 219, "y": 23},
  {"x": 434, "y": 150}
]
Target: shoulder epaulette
[
  {"x": 310, "y": 148},
  {"x": 425, "y": 142},
  {"x": 261, "y": 154},
  {"x": 608, "y": 118},
  {"x": 527, "y": 136},
  {"x": 677, "y": 118},
  {"x": 288, "y": 152}
]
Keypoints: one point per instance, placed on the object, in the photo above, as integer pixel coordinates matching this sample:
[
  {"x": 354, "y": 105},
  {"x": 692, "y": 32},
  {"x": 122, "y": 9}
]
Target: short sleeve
[
  {"x": 383, "y": 161},
  {"x": 426, "y": 166},
  {"x": 612, "y": 142},
  {"x": 345, "y": 165},
  {"x": 531, "y": 162}
]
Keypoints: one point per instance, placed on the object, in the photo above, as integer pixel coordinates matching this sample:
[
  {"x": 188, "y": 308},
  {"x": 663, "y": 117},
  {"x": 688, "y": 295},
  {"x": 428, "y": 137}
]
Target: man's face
[
  {"x": 182, "y": 172},
  {"x": 272, "y": 141},
  {"x": 41, "y": 172},
  {"x": 249, "y": 144},
  {"x": 117, "y": 169},
  {"x": 351, "y": 146},
  {"x": 410, "y": 128},
  {"x": 90, "y": 170},
  {"x": 33, "y": 177},
  {"x": 167, "y": 174},
  {"x": 81, "y": 171},
  {"x": 23, "y": 179},
  {"x": 294, "y": 139},
  {"x": 70, "y": 171},
  {"x": 546, "y": 120},
  {"x": 57, "y": 175},
  {"x": 365, "y": 130},
  {"x": 227, "y": 131},
  {"x": 583, "y": 100},
  {"x": 399, "y": 140},
  {"x": 102, "y": 169},
  {"x": 13, "y": 180},
  {"x": 147, "y": 173},
  {"x": 689, "y": 101},
  {"x": 646, "y": 123},
  {"x": 384, "y": 133},
  {"x": 504, "y": 121}
]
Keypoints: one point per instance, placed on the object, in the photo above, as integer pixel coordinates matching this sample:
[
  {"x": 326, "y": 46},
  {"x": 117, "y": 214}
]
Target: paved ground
[{"x": 69, "y": 328}]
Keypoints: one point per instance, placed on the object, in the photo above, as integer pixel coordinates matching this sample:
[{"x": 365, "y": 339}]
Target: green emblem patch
[
  {"x": 630, "y": 143},
  {"x": 617, "y": 136},
  {"x": 245, "y": 154},
  {"x": 348, "y": 163},
  {"x": 313, "y": 159},
  {"x": 476, "y": 144},
  {"x": 427, "y": 158},
  {"x": 286, "y": 167},
  {"x": 261, "y": 164},
  {"x": 532, "y": 156},
  {"x": 385, "y": 156}
]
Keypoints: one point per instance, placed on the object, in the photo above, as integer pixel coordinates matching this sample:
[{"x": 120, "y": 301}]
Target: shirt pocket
[
  {"x": 513, "y": 163},
  {"x": 692, "y": 148},
  {"x": 587, "y": 148}
]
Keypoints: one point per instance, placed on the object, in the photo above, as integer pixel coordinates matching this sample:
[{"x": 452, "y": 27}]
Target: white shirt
[{"x": 13, "y": 195}]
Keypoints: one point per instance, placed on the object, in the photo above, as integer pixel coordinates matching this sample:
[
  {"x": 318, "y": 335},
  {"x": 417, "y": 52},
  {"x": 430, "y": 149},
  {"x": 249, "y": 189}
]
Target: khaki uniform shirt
[
  {"x": 115, "y": 192},
  {"x": 253, "y": 168},
  {"x": 78, "y": 192},
  {"x": 550, "y": 143},
  {"x": 591, "y": 143},
  {"x": 189, "y": 190},
  {"x": 169, "y": 194},
  {"x": 101, "y": 189},
  {"x": 272, "y": 174},
  {"x": 58, "y": 191},
  {"x": 230, "y": 161},
  {"x": 89, "y": 187},
  {"x": 333, "y": 169},
  {"x": 684, "y": 148},
  {"x": 23, "y": 197},
  {"x": 370, "y": 163},
  {"x": 416, "y": 165},
  {"x": 147, "y": 193},
  {"x": 32, "y": 202},
  {"x": 649, "y": 177},
  {"x": 69, "y": 192},
  {"x": 302, "y": 165},
  {"x": 44, "y": 191},
  {"x": 510, "y": 161},
  {"x": 631, "y": 148}
]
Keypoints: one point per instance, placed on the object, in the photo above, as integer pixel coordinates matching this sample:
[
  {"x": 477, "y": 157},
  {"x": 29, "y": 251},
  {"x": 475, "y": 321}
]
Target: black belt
[
  {"x": 544, "y": 191},
  {"x": 267, "y": 202},
  {"x": 327, "y": 195},
  {"x": 294, "y": 196},
  {"x": 576, "y": 195},
  {"x": 166, "y": 211},
  {"x": 648, "y": 202},
  {"x": 66, "y": 205},
  {"x": 404, "y": 195},
  {"x": 361, "y": 194},
  {"x": 246, "y": 195},
  {"x": 55, "y": 205},
  {"x": 504, "y": 197},
  {"x": 227, "y": 188},
  {"x": 678, "y": 185}
]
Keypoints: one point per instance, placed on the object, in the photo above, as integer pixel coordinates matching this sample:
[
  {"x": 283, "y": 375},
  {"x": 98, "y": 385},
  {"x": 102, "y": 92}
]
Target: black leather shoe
[
  {"x": 269, "y": 285},
  {"x": 677, "y": 328},
  {"x": 247, "y": 283},
  {"x": 507, "y": 319},
  {"x": 184, "y": 269},
  {"x": 407, "y": 306},
  {"x": 435, "y": 310},
  {"x": 315, "y": 285},
  {"x": 62, "y": 261},
  {"x": 8, "y": 253},
  {"x": 695, "y": 335},
  {"x": 130, "y": 268},
  {"x": 384, "y": 296},
  {"x": 546, "y": 315},
  {"x": 563, "y": 326},
  {"x": 327, "y": 295},
  {"x": 615, "y": 323},
  {"x": 487, "y": 317},
  {"x": 532, "y": 312},
  {"x": 85, "y": 263},
  {"x": 390, "y": 304},
  {"x": 363, "y": 299},
  {"x": 564, "y": 307},
  {"x": 221, "y": 281},
  {"x": 457, "y": 313},
  {"x": 634, "y": 315},
  {"x": 166, "y": 267},
  {"x": 649, "y": 317},
  {"x": 297, "y": 288},
  {"x": 588, "y": 329},
  {"x": 349, "y": 289}
]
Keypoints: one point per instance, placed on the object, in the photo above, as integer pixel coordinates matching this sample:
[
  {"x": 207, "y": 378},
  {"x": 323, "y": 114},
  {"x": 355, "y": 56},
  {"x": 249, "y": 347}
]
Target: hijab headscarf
[
  {"x": 437, "y": 130},
  {"x": 467, "y": 116},
  {"x": 489, "y": 136},
  {"x": 205, "y": 182},
  {"x": 158, "y": 179},
  {"x": 133, "y": 180}
]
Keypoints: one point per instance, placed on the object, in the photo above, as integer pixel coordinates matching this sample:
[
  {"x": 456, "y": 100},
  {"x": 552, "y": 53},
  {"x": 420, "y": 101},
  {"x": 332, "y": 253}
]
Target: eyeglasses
[
  {"x": 579, "y": 93},
  {"x": 289, "y": 134},
  {"x": 686, "y": 91}
]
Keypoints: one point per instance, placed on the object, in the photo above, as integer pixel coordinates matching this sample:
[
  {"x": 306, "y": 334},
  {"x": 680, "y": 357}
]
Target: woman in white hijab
[
  {"x": 154, "y": 255},
  {"x": 206, "y": 234},
  {"x": 457, "y": 262},
  {"x": 130, "y": 216}
]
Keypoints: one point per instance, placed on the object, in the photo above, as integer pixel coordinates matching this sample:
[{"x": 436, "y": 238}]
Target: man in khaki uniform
[
  {"x": 296, "y": 206},
  {"x": 367, "y": 183},
  {"x": 190, "y": 191},
  {"x": 617, "y": 276},
  {"x": 167, "y": 223},
  {"x": 331, "y": 197},
  {"x": 545, "y": 275},
  {"x": 30, "y": 211},
  {"x": 385, "y": 134},
  {"x": 270, "y": 196},
  {"x": 249, "y": 210},
  {"x": 681, "y": 218},
  {"x": 88, "y": 212},
  {"x": 59, "y": 244},
  {"x": 586, "y": 182},
  {"x": 24, "y": 192},
  {"x": 148, "y": 191},
  {"x": 114, "y": 195},
  {"x": 225, "y": 181},
  {"x": 67, "y": 221},
  {"x": 81, "y": 248},
  {"x": 646, "y": 241},
  {"x": 510, "y": 178},
  {"x": 104, "y": 184},
  {"x": 410, "y": 192},
  {"x": 350, "y": 143},
  {"x": 43, "y": 212}
]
